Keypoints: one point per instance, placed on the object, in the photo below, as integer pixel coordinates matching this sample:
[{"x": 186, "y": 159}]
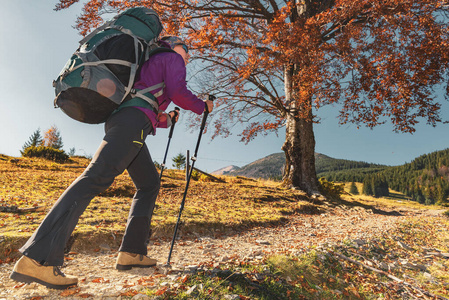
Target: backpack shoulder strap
[
  {"x": 153, "y": 51},
  {"x": 95, "y": 31}
]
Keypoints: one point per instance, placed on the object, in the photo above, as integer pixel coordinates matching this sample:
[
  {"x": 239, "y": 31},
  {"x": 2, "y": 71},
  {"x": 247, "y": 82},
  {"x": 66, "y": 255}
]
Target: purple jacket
[{"x": 168, "y": 67}]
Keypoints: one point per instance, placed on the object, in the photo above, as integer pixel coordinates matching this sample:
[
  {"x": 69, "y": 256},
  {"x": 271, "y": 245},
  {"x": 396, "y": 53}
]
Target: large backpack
[{"x": 100, "y": 74}]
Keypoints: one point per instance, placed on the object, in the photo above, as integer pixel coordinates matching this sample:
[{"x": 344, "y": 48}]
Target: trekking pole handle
[
  {"x": 176, "y": 111},
  {"x": 173, "y": 120},
  {"x": 203, "y": 125},
  {"x": 206, "y": 113},
  {"x": 210, "y": 98}
]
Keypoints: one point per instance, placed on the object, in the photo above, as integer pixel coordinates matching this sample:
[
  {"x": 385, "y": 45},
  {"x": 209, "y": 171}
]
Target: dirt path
[{"x": 99, "y": 279}]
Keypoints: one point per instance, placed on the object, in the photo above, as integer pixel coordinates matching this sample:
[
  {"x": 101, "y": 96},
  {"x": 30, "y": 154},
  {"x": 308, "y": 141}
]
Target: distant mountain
[
  {"x": 226, "y": 170},
  {"x": 272, "y": 166}
]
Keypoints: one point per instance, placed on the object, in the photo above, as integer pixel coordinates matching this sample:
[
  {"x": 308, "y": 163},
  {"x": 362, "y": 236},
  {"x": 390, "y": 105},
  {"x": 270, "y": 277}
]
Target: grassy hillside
[
  {"x": 240, "y": 202},
  {"x": 331, "y": 272}
]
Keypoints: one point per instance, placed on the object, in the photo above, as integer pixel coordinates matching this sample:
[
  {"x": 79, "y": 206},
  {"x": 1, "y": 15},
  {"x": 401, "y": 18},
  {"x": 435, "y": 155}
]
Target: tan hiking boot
[
  {"x": 126, "y": 261},
  {"x": 28, "y": 270}
]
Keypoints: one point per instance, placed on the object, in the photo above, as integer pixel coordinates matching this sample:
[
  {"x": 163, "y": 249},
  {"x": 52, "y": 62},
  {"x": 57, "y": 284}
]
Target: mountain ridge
[{"x": 271, "y": 166}]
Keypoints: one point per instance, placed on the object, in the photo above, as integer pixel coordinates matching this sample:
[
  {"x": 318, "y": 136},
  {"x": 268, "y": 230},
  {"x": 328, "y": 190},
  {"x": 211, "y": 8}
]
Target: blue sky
[{"x": 36, "y": 43}]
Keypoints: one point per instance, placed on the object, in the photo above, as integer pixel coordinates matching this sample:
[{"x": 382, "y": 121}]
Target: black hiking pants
[{"x": 122, "y": 148}]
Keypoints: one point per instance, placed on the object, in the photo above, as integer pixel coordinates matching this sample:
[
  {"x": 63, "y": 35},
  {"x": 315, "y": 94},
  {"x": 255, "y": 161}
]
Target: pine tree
[
  {"x": 34, "y": 141},
  {"x": 179, "y": 161},
  {"x": 441, "y": 191},
  {"x": 380, "y": 186},
  {"x": 368, "y": 186},
  {"x": 353, "y": 189},
  {"x": 72, "y": 151}
]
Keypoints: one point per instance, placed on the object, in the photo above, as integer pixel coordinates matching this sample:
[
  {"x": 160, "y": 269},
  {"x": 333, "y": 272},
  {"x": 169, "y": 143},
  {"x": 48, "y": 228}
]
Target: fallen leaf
[
  {"x": 70, "y": 292},
  {"x": 130, "y": 293},
  {"x": 100, "y": 280},
  {"x": 160, "y": 292},
  {"x": 85, "y": 295},
  {"x": 354, "y": 291}
]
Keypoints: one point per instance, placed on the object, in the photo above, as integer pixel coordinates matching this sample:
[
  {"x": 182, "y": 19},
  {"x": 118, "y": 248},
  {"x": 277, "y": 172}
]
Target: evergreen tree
[
  {"x": 72, "y": 151},
  {"x": 420, "y": 198},
  {"x": 34, "y": 141},
  {"x": 353, "y": 189},
  {"x": 442, "y": 189},
  {"x": 380, "y": 186},
  {"x": 179, "y": 161},
  {"x": 368, "y": 186}
]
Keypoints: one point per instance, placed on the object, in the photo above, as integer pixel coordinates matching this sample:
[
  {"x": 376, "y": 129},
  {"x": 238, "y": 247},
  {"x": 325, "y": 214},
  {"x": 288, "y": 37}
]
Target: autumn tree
[
  {"x": 272, "y": 62},
  {"x": 52, "y": 138}
]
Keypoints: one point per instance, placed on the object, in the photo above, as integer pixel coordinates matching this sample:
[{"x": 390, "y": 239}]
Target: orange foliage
[
  {"x": 379, "y": 59},
  {"x": 52, "y": 138}
]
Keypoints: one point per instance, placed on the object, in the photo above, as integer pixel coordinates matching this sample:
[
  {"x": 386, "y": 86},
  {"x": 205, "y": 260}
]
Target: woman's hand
[
  {"x": 174, "y": 115},
  {"x": 209, "y": 106}
]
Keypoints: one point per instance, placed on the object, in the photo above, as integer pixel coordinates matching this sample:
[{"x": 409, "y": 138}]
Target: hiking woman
[{"x": 123, "y": 147}]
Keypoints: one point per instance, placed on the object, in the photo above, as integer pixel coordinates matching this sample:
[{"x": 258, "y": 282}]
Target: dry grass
[
  {"x": 240, "y": 202},
  {"x": 396, "y": 199}
]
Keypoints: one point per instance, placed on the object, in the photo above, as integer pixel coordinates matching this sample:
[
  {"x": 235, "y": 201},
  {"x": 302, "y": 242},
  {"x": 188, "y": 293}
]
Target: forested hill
[
  {"x": 272, "y": 165},
  {"x": 425, "y": 179},
  {"x": 344, "y": 170}
]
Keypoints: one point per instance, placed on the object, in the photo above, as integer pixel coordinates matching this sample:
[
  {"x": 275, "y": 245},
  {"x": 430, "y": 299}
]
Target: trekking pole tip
[{"x": 167, "y": 265}]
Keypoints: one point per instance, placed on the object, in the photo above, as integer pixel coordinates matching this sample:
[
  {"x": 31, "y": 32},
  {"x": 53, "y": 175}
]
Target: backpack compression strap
[
  {"x": 146, "y": 94},
  {"x": 95, "y": 31},
  {"x": 133, "y": 66}
]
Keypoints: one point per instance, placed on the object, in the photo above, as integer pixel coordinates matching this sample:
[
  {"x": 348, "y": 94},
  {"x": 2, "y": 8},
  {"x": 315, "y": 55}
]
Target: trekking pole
[
  {"x": 203, "y": 124},
  {"x": 170, "y": 134}
]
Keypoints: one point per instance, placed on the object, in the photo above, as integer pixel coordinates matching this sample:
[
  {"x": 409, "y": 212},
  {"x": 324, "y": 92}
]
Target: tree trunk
[{"x": 299, "y": 145}]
